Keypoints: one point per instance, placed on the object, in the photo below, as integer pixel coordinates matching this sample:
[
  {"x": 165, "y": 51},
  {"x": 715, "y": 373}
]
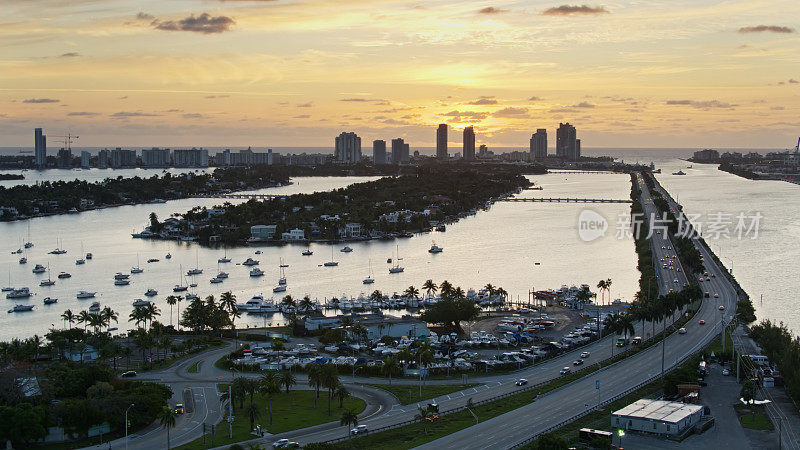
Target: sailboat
[
  {"x": 220, "y": 276},
  {"x": 58, "y": 250},
  {"x": 282, "y": 279},
  {"x": 80, "y": 261},
  {"x": 29, "y": 244},
  {"x": 283, "y": 264},
  {"x": 197, "y": 270},
  {"x": 137, "y": 269},
  {"x": 281, "y": 287},
  {"x": 369, "y": 279},
  {"x": 180, "y": 287},
  {"x": 396, "y": 268},
  {"x": 48, "y": 281},
  {"x": 225, "y": 258},
  {"x": 331, "y": 263},
  {"x": 8, "y": 288},
  {"x": 307, "y": 251}
]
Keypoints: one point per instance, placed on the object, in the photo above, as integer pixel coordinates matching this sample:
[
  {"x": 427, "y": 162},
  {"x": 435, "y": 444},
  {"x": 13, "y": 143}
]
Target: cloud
[
  {"x": 217, "y": 96},
  {"x": 145, "y": 16},
  {"x": 363, "y": 100},
  {"x": 126, "y": 114},
  {"x": 777, "y": 108},
  {"x": 583, "y": 105},
  {"x": 204, "y": 23},
  {"x": 83, "y": 114},
  {"x": 567, "y": 10},
  {"x": 484, "y": 101},
  {"x": 563, "y": 110},
  {"x": 124, "y": 97},
  {"x": 192, "y": 116},
  {"x": 511, "y": 112},
  {"x": 457, "y": 115},
  {"x": 702, "y": 104},
  {"x": 306, "y": 105},
  {"x": 535, "y": 99},
  {"x": 396, "y": 122},
  {"x": 70, "y": 55},
  {"x": 302, "y": 116},
  {"x": 491, "y": 10},
  {"x": 41, "y": 100},
  {"x": 766, "y": 28},
  {"x": 793, "y": 81}
]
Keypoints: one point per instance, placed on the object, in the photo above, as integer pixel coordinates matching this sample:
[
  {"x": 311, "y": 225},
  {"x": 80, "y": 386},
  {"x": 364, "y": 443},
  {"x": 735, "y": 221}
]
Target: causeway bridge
[
  {"x": 561, "y": 200},
  {"x": 240, "y": 196},
  {"x": 595, "y": 172}
]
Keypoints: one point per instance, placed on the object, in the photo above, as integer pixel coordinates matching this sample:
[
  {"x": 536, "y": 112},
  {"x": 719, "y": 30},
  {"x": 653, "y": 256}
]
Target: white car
[
  {"x": 280, "y": 443},
  {"x": 565, "y": 371},
  {"x": 361, "y": 429},
  {"x": 682, "y": 331},
  {"x": 726, "y": 372},
  {"x": 722, "y": 307},
  {"x": 585, "y": 355}
]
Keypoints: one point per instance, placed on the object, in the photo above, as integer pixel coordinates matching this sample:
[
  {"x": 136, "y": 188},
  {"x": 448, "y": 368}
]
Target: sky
[{"x": 636, "y": 73}]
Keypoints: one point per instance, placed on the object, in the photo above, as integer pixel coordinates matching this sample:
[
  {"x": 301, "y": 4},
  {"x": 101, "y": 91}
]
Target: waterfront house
[
  {"x": 294, "y": 235},
  {"x": 260, "y": 233},
  {"x": 350, "y": 230}
]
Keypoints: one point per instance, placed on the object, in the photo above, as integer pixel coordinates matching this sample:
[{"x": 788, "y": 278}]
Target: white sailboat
[
  {"x": 137, "y": 269},
  {"x": 225, "y": 258},
  {"x": 8, "y": 288},
  {"x": 331, "y": 263},
  {"x": 396, "y": 268},
  {"x": 48, "y": 281},
  {"x": 197, "y": 270},
  {"x": 29, "y": 244},
  {"x": 80, "y": 261},
  {"x": 180, "y": 287},
  {"x": 369, "y": 279}
]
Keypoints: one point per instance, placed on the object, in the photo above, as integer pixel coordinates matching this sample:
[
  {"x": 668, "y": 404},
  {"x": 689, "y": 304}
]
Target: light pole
[
  {"x": 621, "y": 434},
  {"x": 126, "y": 425}
]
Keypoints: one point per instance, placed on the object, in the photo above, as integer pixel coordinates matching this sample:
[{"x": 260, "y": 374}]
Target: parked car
[
  {"x": 521, "y": 382},
  {"x": 128, "y": 374},
  {"x": 361, "y": 429}
]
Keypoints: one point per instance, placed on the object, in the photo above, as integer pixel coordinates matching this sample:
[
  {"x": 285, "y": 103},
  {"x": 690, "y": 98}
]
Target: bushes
[{"x": 782, "y": 349}]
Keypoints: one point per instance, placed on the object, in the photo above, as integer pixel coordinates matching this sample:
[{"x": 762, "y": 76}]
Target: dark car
[
  {"x": 577, "y": 362},
  {"x": 434, "y": 407},
  {"x": 128, "y": 374},
  {"x": 521, "y": 382}
]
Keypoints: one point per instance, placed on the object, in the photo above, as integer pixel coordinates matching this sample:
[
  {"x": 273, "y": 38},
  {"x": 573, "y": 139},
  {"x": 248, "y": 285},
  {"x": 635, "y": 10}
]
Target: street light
[
  {"x": 126, "y": 425},
  {"x": 621, "y": 434}
]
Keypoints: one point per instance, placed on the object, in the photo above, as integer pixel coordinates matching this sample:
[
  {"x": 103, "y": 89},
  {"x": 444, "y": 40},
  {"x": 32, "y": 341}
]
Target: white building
[
  {"x": 156, "y": 157},
  {"x": 260, "y": 233},
  {"x": 84, "y": 160},
  {"x": 351, "y": 230},
  {"x": 348, "y": 148},
  {"x": 657, "y": 416},
  {"x": 294, "y": 235},
  {"x": 191, "y": 158}
]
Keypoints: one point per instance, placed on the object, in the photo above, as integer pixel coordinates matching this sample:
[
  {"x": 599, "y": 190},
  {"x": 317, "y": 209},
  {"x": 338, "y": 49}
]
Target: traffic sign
[{"x": 597, "y": 384}]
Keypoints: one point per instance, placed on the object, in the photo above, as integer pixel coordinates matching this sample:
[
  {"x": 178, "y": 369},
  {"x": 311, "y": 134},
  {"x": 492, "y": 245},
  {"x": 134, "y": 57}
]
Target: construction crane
[{"x": 68, "y": 140}]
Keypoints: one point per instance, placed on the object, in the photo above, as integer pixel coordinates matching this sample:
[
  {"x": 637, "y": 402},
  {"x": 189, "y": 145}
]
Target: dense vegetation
[
  {"x": 783, "y": 349},
  {"x": 449, "y": 189},
  {"x": 737, "y": 170}
]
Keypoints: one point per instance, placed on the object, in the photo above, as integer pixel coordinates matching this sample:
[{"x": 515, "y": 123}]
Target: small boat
[
  {"x": 193, "y": 285},
  {"x": 279, "y": 288},
  {"x": 225, "y": 258},
  {"x": 85, "y": 294},
  {"x": 346, "y": 249},
  {"x": 179, "y": 288},
  {"x": 195, "y": 271},
  {"x": 307, "y": 252},
  {"x": 28, "y": 244},
  {"x": 435, "y": 249},
  {"x": 122, "y": 282},
  {"x": 57, "y": 251},
  {"x": 151, "y": 292},
  {"x": 39, "y": 269},
  {"x": 215, "y": 280},
  {"x": 7, "y": 289},
  {"x": 396, "y": 268},
  {"x": 50, "y": 301},
  {"x": 680, "y": 172},
  {"x": 441, "y": 227},
  {"x": 139, "y": 303},
  {"x": 256, "y": 272},
  {"x": 21, "y": 308},
  {"x": 283, "y": 264},
  {"x": 169, "y": 256},
  {"x": 47, "y": 282},
  {"x": 121, "y": 276},
  {"x": 388, "y": 260},
  {"x": 192, "y": 297},
  {"x": 64, "y": 275},
  {"x": 89, "y": 256},
  {"x": 19, "y": 293},
  {"x": 23, "y": 260},
  {"x": 17, "y": 252},
  {"x": 331, "y": 263},
  {"x": 95, "y": 307},
  {"x": 78, "y": 262},
  {"x": 250, "y": 262},
  {"x": 222, "y": 275},
  {"x": 369, "y": 279},
  {"x": 152, "y": 260},
  {"x": 258, "y": 252}
]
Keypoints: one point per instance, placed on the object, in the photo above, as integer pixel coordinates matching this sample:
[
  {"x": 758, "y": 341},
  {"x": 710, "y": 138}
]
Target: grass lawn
[
  {"x": 407, "y": 393},
  {"x": 193, "y": 367},
  {"x": 289, "y": 412},
  {"x": 754, "y": 417}
]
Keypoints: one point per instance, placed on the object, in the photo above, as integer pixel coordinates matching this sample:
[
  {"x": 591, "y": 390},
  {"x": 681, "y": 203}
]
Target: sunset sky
[{"x": 655, "y": 73}]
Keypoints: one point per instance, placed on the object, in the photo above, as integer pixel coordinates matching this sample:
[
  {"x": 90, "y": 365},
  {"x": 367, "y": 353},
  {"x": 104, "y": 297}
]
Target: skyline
[{"x": 296, "y": 73}]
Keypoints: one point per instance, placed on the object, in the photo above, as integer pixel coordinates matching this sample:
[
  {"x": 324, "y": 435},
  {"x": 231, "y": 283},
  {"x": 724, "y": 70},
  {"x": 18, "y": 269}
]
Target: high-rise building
[
  {"x": 64, "y": 160},
  {"x": 122, "y": 158},
  {"x": 441, "y": 141},
  {"x": 379, "y": 151},
  {"x": 468, "y": 151},
  {"x": 406, "y": 157},
  {"x": 539, "y": 145},
  {"x": 102, "y": 159},
  {"x": 156, "y": 157},
  {"x": 483, "y": 150},
  {"x": 348, "y": 148},
  {"x": 85, "y": 160},
  {"x": 40, "y": 148},
  {"x": 399, "y": 151},
  {"x": 190, "y": 158},
  {"x": 566, "y": 142}
]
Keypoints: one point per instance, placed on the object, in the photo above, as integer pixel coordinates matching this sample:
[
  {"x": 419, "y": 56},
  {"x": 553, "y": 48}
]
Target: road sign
[{"x": 597, "y": 384}]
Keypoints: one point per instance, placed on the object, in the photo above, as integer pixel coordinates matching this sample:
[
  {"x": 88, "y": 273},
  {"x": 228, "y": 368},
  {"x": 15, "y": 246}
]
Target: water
[{"x": 498, "y": 246}]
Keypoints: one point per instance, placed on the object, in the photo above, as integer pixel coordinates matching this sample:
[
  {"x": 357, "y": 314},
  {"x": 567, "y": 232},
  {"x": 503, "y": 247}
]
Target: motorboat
[
  {"x": 222, "y": 275},
  {"x": 256, "y": 272},
  {"x": 179, "y": 288},
  {"x": 152, "y": 260},
  {"x": 368, "y": 280},
  {"x": 23, "y": 260},
  {"x": 680, "y": 172},
  {"x": 7, "y": 289},
  {"x": 121, "y": 276},
  {"x": 169, "y": 256},
  {"x": 397, "y": 269},
  {"x": 215, "y": 280},
  {"x": 17, "y": 251},
  {"x": 63, "y": 275},
  {"x": 85, "y": 294},
  {"x": 89, "y": 256},
  {"x": 21, "y": 308},
  {"x": 50, "y": 301},
  {"x": 151, "y": 292},
  {"x": 138, "y": 303},
  {"x": 195, "y": 271},
  {"x": 47, "y": 282},
  {"x": 257, "y": 252},
  {"x": 193, "y": 285},
  {"x": 435, "y": 249},
  {"x": 346, "y": 249},
  {"x": 282, "y": 281},
  {"x": 307, "y": 252},
  {"x": 250, "y": 262},
  {"x": 39, "y": 269},
  {"x": 122, "y": 282},
  {"x": 441, "y": 227},
  {"x": 279, "y": 288},
  {"x": 95, "y": 307},
  {"x": 192, "y": 296},
  {"x": 57, "y": 251},
  {"x": 78, "y": 262},
  {"x": 19, "y": 293}
]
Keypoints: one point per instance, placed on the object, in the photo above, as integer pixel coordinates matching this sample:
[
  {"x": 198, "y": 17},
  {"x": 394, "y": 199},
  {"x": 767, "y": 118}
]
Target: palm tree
[
  {"x": 95, "y": 321},
  {"x": 137, "y": 316},
  {"x": 167, "y": 420},
  {"x": 286, "y": 379},
  {"x": 349, "y": 419},
  {"x": 151, "y": 311},
  {"x": 422, "y": 415},
  {"x": 390, "y": 367},
  {"x": 227, "y": 302},
  {"x": 252, "y": 412},
  {"x": 268, "y": 386},
  {"x": 84, "y": 317},
  {"x": 306, "y": 305},
  {"x": 625, "y": 324},
  {"x": 376, "y": 297},
  {"x": 458, "y": 293},
  {"x": 108, "y": 315},
  {"x": 502, "y": 293},
  {"x": 238, "y": 386},
  {"x": 288, "y": 301},
  {"x": 341, "y": 393},
  {"x": 171, "y": 301},
  {"x": 411, "y": 292},
  {"x": 601, "y": 285},
  {"x": 446, "y": 289},
  {"x": 315, "y": 379},
  {"x": 608, "y": 289},
  {"x": 490, "y": 289},
  {"x": 68, "y": 317},
  {"x": 330, "y": 379},
  {"x": 429, "y": 287},
  {"x": 179, "y": 299}
]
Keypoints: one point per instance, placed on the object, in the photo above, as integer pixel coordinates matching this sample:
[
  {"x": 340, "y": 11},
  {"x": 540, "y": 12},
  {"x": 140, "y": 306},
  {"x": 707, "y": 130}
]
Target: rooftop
[{"x": 660, "y": 410}]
